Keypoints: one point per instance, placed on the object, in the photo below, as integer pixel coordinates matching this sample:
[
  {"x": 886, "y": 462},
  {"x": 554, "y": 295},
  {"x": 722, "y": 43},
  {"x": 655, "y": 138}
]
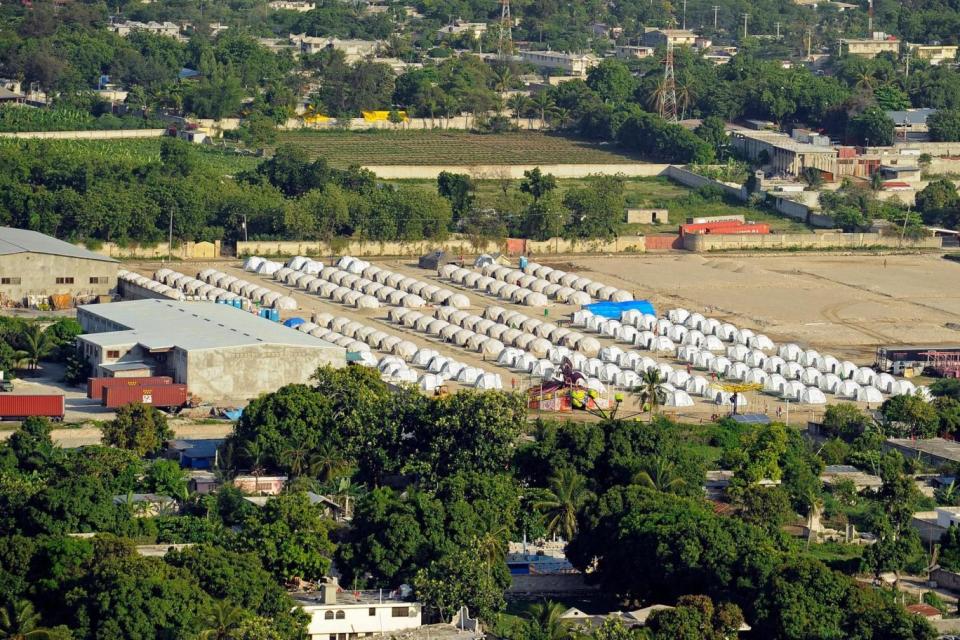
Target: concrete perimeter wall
[
  {"x": 515, "y": 171},
  {"x": 695, "y": 181},
  {"x": 454, "y": 245},
  {"x": 183, "y": 251},
  {"x": 822, "y": 240},
  {"x": 109, "y": 134}
]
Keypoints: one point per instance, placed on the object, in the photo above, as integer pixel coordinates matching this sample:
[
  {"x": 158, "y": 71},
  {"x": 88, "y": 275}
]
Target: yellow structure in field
[{"x": 383, "y": 116}]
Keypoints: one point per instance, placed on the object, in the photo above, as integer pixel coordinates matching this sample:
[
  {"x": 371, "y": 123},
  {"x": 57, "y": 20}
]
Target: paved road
[{"x": 71, "y": 438}]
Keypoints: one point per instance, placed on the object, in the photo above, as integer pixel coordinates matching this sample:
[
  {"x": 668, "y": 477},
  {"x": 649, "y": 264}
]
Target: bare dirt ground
[
  {"x": 843, "y": 304},
  {"x": 846, "y": 304}
]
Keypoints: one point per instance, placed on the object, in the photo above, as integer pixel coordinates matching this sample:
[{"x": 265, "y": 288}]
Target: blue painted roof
[
  {"x": 198, "y": 448},
  {"x": 614, "y": 309}
]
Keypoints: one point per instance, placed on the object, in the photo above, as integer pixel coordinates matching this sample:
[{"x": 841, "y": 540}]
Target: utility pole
[
  {"x": 170, "y": 238},
  {"x": 809, "y": 44},
  {"x": 715, "y": 10},
  {"x": 745, "y": 17},
  {"x": 777, "y": 25},
  {"x": 870, "y": 17},
  {"x": 908, "y": 63},
  {"x": 684, "y": 15}
]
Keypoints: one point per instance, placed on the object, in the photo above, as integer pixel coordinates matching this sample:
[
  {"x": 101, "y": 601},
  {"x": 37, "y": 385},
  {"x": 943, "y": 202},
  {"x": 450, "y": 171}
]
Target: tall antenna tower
[
  {"x": 668, "y": 96},
  {"x": 505, "y": 37}
]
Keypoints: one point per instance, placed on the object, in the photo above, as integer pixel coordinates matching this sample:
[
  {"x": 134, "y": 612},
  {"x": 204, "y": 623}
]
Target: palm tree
[
  {"x": 296, "y": 459},
  {"x": 545, "y": 104},
  {"x": 254, "y": 452},
  {"x": 866, "y": 81},
  {"x": 327, "y": 464},
  {"x": 36, "y": 344},
  {"x": 659, "y": 474},
  {"x": 685, "y": 98},
  {"x": 566, "y": 492},
  {"x": 561, "y": 117},
  {"x": 222, "y": 621},
  {"x": 503, "y": 78},
  {"x": 19, "y": 621},
  {"x": 490, "y": 546},
  {"x": 520, "y": 104},
  {"x": 546, "y": 616},
  {"x": 655, "y": 99},
  {"x": 650, "y": 392}
]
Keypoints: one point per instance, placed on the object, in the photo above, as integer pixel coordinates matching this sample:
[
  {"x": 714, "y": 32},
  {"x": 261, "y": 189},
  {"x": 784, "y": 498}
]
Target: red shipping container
[
  {"x": 16, "y": 406},
  {"x": 164, "y": 395},
  {"x": 697, "y": 227},
  {"x": 95, "y": 386}
]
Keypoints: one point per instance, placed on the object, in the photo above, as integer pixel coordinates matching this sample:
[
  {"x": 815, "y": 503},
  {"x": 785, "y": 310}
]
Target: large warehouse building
[
  {"x": 223, "y": 355},
  {"x": 34, "y": 267}
]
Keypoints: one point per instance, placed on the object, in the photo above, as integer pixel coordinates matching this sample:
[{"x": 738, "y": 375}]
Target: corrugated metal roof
[
  {"x": 24, "y": 241},
  {"x": 165, "y": 324}
]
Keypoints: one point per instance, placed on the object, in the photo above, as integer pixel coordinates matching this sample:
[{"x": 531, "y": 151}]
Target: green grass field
[
  {"x": 343, "y": 148},
  {"x": 142, "y": 150},
  {"x": 648, "y": 193}
]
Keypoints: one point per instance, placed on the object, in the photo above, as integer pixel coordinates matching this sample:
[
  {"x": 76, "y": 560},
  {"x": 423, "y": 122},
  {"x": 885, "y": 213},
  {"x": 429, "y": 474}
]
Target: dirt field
[
  {"x": 342, "y": 149},
  {"x": 847, "y": 304}
]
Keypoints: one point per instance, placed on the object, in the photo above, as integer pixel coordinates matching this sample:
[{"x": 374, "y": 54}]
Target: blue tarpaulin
[
  {"x": 614, "y": 309},
  {"x": 293, "y": 323}
]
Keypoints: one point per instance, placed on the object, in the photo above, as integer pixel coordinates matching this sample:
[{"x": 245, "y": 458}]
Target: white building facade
[{"x": 337, "y": 614}]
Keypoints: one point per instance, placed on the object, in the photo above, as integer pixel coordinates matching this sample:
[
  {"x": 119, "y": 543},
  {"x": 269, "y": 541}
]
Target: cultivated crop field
[{"x": 342, "y": 149}]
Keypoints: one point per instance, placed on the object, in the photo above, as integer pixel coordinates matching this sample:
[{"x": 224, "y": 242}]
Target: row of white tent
[
  {"x": 794, "y": 363},
  {"x": 342, "y": 287},
  {"x": 412, "y": 286},
  {"x": 514, "y": 324},
  {"x": 597, "y": 290},
  {"x": 222, "y": 289},
  {"x": 153, "y": 286},
  {"x": 399, "y": 351},
  {"x": 244, "y": 289},
  {"x": 710, "y": 336},
  {"x": 512, "y": 284}
]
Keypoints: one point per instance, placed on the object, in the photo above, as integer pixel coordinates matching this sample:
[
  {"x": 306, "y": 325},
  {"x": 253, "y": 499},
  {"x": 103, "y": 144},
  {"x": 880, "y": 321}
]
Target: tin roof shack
[
  {"x": 224, "y": 355},
  {"x": 836, "y": 473},
  {"x": 34, "y": 267}
]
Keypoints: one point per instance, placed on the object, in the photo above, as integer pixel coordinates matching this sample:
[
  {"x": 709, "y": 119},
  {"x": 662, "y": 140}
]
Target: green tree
[
  {"x": 696, "y": 618},
  {"x": 872, "y": 127},
  {"x": 458, "y": 188},
  {"x": 546, "y": 619},
  {"x": 165, "y": 477},
  {"x": 222, "y": 621},
  {"x": 612, "y": 80},
  {"x": 19, "y": 621},
  {"x": 713, "y": 131},
  {"x": 37, "y": 344},
  {"x": 565, "y": 495},
  {"x": 138, "y": 427},
  {"x": 909, "y": 416},
  {"x": 944, "y": 125},
  {"x": 537, "y": 184},
  {"x": 845, "y": 420},
  {"x": 596, "y": 211},
  {"x": 651, "y": 392},
  {"x": 290, "y": 536},
  {"x": 459, "y": 579}
]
